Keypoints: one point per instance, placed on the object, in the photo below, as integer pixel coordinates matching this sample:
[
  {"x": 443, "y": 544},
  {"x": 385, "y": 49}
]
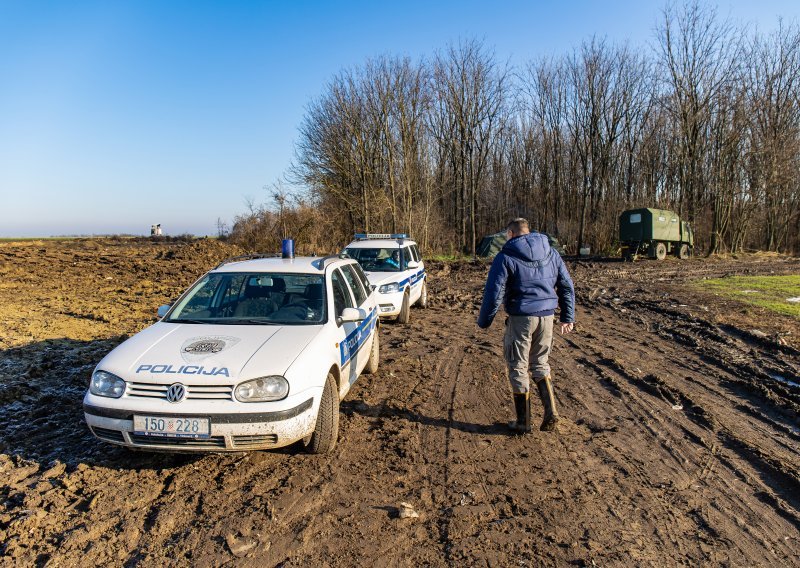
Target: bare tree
[
  {"x": 449, "y": 149},
  {"x": 470, "y": 89},
  {"x": 697, "y": 54},
  {"x": 774, "y": 83}
]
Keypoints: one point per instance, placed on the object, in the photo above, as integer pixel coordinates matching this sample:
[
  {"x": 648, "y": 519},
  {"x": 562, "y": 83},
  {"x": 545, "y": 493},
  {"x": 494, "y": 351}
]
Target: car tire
[
  {"x": 326, "y": 432},
  {"x": 374, "y": 355},
  {"x": 422, "y": 302},
  {"x": 405, "y": 310}
]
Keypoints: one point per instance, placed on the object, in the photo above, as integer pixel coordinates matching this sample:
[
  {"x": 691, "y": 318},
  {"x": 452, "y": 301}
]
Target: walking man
[{"x": 532, "y": 280}]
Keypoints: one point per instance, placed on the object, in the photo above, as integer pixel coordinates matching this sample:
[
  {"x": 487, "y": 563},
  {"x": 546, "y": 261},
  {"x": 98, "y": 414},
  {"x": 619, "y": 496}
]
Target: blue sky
[{"x": 118, "y": 114}]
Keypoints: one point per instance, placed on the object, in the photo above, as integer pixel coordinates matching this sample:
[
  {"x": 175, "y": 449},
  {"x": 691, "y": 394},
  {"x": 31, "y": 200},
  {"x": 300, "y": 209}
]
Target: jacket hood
[
  {"x": 207, "y": 353},
  {"x": 529, "y": 248}
]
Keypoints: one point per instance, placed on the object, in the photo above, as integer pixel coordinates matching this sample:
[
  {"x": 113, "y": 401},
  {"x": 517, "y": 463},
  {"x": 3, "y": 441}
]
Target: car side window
[
  {"x": 362, "y": 277},
  {"x": 341, "y": 295},
  {"x": 355, "y": 284},
  {"x": 407, "y": 256},
  {"x": 415, "y": 250}
]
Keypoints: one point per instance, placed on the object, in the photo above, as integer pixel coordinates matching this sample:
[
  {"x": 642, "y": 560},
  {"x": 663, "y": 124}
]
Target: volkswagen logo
[{"x": 176, "y": 392}]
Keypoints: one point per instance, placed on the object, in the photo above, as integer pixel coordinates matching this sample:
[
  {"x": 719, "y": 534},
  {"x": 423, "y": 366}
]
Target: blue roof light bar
[{"x": 368, "y": 236}]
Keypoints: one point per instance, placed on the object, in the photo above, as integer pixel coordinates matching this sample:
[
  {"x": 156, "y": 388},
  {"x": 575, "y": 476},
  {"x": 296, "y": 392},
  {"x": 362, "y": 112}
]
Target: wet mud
[{"x": 678, "y": 443}]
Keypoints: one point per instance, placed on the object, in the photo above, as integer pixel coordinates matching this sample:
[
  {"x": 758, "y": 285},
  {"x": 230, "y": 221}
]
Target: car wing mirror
[
  {"x": 412, "y": 264},
  {"x": 351, "y": 314},
  {"x": 162, "y": 310}
]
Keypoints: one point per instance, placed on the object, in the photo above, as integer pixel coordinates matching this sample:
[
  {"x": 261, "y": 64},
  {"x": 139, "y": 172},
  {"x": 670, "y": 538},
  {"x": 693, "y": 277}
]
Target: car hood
[
  {"x": 207, "y": 353},
  {"x": 379, "y": 278}
]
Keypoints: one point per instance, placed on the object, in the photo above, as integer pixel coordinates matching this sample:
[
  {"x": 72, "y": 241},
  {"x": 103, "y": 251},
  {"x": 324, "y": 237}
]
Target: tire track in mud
[
  {"x": 774, "y": 468},
  {"x": 722, "y": 433},
  {"x": 648, "y": 467},
  {"x": 634, "y": 503},
  {"x": 447, "y": 440},
  {"x": 733, "y": 356},
  {"x": 445, "y": 510},
  {"x": 654, "y": 485},
  {"x": 437, "y": 441},
  {"x": 629, "y": 480}
]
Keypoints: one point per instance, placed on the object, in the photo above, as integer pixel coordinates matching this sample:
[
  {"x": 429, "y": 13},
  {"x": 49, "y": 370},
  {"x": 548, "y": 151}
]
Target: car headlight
[
  {"x": 262, "y": 389},
  {"x": 389, "y": 288},
  {"x": 106, "y": 384}
]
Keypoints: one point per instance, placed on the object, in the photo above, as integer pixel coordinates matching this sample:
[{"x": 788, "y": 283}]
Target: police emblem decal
[
  {"x": 207, "y": 346},
  {"x": 199, "y": 348}
]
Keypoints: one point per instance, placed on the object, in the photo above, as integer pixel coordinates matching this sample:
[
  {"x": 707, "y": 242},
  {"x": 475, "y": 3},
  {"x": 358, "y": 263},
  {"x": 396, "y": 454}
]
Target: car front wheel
[
  {"x": 423, "y": 296},
  {"x": 326, "y": 432},
  {"x": 405, "y": 309},
  {"x": 374, "y": 355}
]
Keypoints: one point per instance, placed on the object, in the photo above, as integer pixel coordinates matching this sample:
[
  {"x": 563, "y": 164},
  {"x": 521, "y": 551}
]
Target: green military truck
[{"x": 654, "y": 232}]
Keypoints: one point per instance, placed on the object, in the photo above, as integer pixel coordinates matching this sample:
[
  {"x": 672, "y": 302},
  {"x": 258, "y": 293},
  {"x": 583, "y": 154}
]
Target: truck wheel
[
  {"x": 683, "y": 252},
  {"x": 374, "y": 355},
  {"x": 323, "y": 440},
  {"x": 405, "y": 310},
  {"x": 661, "y": 251},
  {"x": 422, "y": 302},
  {"x": 627, "y": 256}
]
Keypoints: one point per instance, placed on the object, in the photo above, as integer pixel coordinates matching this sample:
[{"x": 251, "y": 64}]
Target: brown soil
[{"x": 678, "y": 445}]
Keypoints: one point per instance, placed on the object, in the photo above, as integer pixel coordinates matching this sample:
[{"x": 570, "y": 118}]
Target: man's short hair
[{"x": 518, "y": 226}]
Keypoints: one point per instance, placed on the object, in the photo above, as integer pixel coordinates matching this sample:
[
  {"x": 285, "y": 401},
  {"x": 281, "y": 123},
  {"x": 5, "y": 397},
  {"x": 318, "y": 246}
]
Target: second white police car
[
  {"x": 256, "y": 354},
  {"x": 395, "y": 268}
]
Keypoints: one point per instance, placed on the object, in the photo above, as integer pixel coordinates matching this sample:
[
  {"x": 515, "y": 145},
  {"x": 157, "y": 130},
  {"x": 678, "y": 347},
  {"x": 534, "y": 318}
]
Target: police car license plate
[{"x": 172, "y": 426}]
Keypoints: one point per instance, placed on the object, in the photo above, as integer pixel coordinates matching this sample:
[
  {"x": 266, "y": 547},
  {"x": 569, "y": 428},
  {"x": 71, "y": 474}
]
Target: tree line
[{"x": 706, "y": 123}]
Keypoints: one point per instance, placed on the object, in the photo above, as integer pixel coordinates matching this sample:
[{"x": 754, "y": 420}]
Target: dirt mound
[{"x": 679, "y": 443}]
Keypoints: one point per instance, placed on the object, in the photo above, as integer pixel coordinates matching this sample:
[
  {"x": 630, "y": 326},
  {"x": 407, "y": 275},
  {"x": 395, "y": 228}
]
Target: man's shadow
[{"x": 392, "y": 410}]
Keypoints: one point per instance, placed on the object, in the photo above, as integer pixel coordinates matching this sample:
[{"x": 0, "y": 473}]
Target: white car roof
[
  {"x": 296, "y": 265},
  {"x": 380, "y": 243}
]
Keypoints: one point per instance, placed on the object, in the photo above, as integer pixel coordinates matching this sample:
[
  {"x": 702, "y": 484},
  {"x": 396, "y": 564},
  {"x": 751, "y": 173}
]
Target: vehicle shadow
[
  {"x": 41, "y": 407},
  {"x": 391, "y": 410}
]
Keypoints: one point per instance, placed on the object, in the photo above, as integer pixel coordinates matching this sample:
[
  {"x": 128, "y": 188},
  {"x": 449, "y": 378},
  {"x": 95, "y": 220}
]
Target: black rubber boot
[
  {"x": 522, "y": 406},
  {"x": 545, "y": 386}
]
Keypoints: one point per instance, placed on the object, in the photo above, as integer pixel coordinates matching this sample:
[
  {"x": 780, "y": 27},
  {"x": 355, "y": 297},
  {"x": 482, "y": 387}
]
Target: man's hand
[{"x": 567, "y": 327}]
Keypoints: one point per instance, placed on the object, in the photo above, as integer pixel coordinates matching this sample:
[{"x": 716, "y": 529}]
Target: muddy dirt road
[{"x": 679, "y": 443}]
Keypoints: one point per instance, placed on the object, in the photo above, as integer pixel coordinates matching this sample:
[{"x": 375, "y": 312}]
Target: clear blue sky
[{"x": 118, "y": 114}]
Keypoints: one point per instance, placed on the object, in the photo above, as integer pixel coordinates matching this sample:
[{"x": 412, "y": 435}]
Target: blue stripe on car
[
  {"x": 356, "y": 338},
  {"x": 414, "y": 279}
]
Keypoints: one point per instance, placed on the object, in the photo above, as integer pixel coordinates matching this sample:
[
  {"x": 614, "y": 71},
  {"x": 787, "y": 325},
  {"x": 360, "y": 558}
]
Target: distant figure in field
[{"x": 532, "y": 280}]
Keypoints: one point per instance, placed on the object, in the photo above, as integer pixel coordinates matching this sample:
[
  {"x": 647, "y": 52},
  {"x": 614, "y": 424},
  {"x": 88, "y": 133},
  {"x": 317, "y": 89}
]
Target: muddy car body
[{"x": 256, "y": 354}]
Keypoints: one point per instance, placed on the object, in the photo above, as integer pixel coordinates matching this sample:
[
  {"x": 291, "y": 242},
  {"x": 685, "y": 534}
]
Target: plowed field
[{"x": 679, "y": 442}]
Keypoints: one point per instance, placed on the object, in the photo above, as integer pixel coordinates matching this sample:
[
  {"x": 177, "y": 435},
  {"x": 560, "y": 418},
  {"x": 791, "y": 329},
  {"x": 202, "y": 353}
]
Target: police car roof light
[{"x": 368, "y": 236}]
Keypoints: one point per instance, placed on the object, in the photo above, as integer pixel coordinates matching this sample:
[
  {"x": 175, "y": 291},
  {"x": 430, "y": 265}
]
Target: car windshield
[
  {"x": 259, "y": 298},
  {"x": 376, "y": 259}
]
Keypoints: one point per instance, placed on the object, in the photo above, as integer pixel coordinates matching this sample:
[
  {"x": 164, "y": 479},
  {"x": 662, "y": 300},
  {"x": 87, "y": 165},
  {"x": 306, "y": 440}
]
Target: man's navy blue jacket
[{"x": 532, "y": 279}]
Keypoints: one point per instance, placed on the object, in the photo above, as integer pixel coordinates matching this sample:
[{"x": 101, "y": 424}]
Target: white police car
[
  {"x": 256, "y": 354},
  {"x": 394, "y": 266}
]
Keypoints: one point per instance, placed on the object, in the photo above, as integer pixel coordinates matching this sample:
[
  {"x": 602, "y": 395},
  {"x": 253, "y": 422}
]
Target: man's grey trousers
[{"x": 527, "y": 341}]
